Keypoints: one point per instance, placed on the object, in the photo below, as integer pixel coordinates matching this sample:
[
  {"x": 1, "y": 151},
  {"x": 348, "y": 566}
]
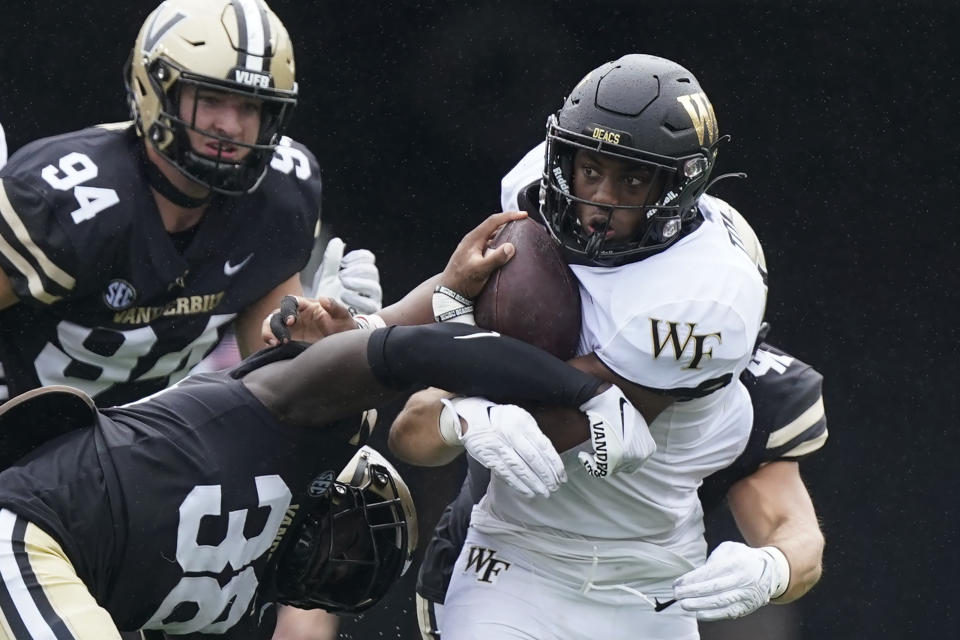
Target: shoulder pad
[
  {"x": 62, "y": 199},
  {"x": 688, "y": 346},
  {"x": 39, "y": 415},
  {"x": 787, "y": 404},
  {"x": 528, "y": 170}
]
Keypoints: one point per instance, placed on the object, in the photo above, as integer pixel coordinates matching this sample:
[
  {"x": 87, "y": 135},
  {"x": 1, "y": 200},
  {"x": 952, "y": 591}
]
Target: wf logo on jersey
[
  {"x": 486, "y": 564},
  {"x": 680, "y": 348},
  {"x": 120, "y": 294},
  {"x": 701, "y": 115}
]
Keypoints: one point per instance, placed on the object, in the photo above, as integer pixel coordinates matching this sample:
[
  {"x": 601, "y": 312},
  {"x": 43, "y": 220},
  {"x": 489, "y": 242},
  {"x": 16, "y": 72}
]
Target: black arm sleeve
[{"x": 464, "y": 359}]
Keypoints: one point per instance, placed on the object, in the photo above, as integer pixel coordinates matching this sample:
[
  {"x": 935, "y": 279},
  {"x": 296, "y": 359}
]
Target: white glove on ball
[
  {"x": 734, "y": 581},
  {"x": 352, "y": 279},
  {"x": 507, "y": 440},
  {"x": 620, "y": 437}
]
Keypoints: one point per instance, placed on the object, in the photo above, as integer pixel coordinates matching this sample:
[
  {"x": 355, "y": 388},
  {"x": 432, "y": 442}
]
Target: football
[{"x": 534, "y": 297}]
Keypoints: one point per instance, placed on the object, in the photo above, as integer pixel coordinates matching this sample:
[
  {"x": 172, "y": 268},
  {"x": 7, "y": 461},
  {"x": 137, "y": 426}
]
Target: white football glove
[
  {"x": 620, "y": 437},
  {"x": 506, "y": 439},
  {"x": 735, "y": 580},
  {"x": 352, "y": 279}
]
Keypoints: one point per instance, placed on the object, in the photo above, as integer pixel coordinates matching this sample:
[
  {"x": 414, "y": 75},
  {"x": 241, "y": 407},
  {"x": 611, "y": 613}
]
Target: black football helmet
[
  {"x": 644, "y": 110},
  {"x": 353, "y": 542},
  {"x": 232, "y": 46}
]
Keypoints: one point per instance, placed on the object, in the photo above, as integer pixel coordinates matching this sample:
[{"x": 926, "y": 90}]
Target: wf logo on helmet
[{"x": 701, "y": 115}]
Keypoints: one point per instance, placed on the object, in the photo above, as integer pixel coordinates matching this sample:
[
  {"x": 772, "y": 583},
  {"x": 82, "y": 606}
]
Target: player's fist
[{"x": 620, "y": 437}]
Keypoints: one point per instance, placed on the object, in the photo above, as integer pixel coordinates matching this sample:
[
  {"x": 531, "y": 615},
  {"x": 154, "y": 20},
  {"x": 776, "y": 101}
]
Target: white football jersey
[{"x": 683, "y": 321}]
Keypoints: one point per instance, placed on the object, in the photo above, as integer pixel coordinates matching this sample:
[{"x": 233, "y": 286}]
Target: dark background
[{"x": 842, "y": 113}]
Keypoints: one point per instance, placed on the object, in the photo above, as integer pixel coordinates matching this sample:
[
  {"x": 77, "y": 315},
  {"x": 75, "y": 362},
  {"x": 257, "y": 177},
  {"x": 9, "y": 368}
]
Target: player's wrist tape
[
  {"x": 450, "y": 306},
  {"x": 781, "y": 572},
  {"x": 372, "y": 321},
  {"x": 449, "y": 425}
]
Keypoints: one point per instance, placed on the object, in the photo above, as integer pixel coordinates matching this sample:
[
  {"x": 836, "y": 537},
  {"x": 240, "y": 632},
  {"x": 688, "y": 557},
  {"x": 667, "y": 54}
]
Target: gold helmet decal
[{"x": 701, "y": 114}]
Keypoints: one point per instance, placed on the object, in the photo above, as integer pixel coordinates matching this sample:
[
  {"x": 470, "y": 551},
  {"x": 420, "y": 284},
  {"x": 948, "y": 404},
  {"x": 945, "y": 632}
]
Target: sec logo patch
[
  {"x": 320, "y": 485},
  {"x": 120, "y": 294}
]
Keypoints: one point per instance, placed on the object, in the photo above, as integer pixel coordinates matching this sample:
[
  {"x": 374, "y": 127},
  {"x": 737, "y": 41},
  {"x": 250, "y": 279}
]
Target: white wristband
[
  {"x": 781, "y": 574},
  {"x": 372, "y": 321},
  {"x": 449, "y": 425},
  {"x": 450, "y": 306}
]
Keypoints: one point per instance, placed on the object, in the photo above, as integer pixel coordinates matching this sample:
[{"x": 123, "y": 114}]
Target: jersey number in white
[
  {"x": 287, "y": 159},
  {"x": 116, "y": 368},
  {"x": 235, "y": 550},
  {"x": 74, "y": 169}
]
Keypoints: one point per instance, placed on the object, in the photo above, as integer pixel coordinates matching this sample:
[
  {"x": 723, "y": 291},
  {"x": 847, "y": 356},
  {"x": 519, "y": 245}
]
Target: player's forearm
[
  {"x": 469, "y": 361},
  {"x": 415, "y": 434},
  {"x": 773, "y": 508},
  {"x": 803, "y": 547},
  {"x": 414, "y": 308}
]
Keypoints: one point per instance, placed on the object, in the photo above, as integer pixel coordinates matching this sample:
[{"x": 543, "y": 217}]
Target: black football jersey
[
  {"x": 170, "y": 509},
  {"x": 788, "y": 424},
  {"x": 108, "y": 303}
]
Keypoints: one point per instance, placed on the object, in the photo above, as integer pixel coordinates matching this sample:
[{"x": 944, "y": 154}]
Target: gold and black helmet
[
  {"x": 232, "y": 46},
  {"x": 644, "y": 110}
]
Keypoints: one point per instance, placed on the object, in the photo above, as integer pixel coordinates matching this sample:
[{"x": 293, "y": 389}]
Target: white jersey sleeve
[{"x": 529, "y": 169}]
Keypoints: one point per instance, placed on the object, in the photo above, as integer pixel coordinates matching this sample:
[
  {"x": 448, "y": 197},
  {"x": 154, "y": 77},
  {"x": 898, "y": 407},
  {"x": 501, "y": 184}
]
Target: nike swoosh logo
[
  {"x": 660, "y": 606},
  {"x": 230, "y": 269},
  {"x": 471, "y": 336},
  {"x": 623, "y": 419}
]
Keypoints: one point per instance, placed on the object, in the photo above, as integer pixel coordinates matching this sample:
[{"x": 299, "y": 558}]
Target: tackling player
[{"x": 223, "y": 490}]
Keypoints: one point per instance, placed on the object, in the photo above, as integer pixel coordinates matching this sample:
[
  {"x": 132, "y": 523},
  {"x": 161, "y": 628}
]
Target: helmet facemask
[
  {"x": 168, "y": 133},
  {"x": 352, "y": 545},
  {"x": 670, "y": 202}
]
